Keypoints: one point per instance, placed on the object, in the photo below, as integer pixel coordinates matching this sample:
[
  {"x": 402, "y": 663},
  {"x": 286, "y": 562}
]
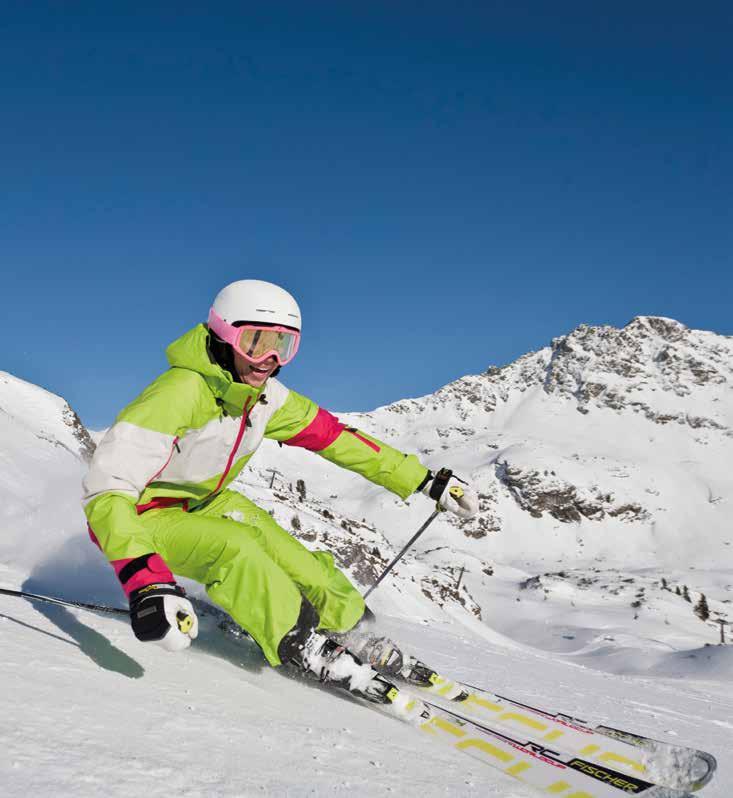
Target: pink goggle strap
[{"x": 230, "y": 334}]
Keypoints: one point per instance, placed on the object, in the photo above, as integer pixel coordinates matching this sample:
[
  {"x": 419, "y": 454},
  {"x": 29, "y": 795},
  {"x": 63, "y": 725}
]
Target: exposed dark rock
[
  {"x": 440, "y": 587},
  {"x": 86, "y": 444},
  {"x": 539, "y": 493},
  {"x": 486, "y": 522}
]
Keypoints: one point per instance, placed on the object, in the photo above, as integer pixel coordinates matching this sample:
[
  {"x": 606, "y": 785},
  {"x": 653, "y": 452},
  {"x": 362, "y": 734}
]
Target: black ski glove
[{"x": 162, "y": 614}]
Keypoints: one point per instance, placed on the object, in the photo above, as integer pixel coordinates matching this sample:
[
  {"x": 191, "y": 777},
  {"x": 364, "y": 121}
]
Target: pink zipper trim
[
  {"x": 168, "y": 501},
  {"x": 165, "y": 465},
  {"x": 240, "y": 434},
  {"x": 369, "y": 443}
]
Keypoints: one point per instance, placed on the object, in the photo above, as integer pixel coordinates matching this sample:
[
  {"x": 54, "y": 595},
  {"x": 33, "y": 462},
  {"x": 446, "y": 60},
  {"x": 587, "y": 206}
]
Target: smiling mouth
[{"x": 260, "y": 370}]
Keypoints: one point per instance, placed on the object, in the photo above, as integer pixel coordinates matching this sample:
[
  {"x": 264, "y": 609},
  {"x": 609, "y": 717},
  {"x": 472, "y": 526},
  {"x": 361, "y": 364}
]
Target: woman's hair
[{"x": 222, "y": 354}]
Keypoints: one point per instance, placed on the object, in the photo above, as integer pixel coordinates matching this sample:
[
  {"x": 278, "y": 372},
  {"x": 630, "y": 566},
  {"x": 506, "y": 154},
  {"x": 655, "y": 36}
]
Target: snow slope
[
  {"x": 603, "y": 466},
  {"x": 89, "y": 711},
  {"x": 108, "y": 715}
]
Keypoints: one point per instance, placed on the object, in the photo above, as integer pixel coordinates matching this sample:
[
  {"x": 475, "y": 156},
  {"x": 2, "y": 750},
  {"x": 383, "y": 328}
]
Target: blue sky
[{"x": 442, "y": 186}]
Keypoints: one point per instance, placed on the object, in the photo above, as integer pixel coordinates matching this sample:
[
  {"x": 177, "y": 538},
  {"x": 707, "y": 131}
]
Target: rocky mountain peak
[
  {"x": 32, "y": 411},
  {"x": 607, "y": 435},
  {"x": 654, "y": 366}
]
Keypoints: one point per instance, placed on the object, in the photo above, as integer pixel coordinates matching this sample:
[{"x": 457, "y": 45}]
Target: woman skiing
[{"x": 156, "y": 494}]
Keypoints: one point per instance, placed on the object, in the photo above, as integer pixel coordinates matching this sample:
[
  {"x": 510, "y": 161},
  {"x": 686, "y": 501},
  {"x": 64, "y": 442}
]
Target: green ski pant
[{"x": 252, "y": 568}]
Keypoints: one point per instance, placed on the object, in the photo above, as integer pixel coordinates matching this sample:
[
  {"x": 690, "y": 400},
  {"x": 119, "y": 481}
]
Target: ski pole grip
[{"x": 440, "y": 480}]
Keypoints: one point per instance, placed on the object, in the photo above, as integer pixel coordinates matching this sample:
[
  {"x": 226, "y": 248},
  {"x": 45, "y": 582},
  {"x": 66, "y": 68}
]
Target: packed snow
[{"x": 603, "y": 464}]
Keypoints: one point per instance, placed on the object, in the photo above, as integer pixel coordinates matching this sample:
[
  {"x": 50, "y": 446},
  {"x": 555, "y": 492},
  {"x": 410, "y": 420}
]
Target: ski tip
[{"x": 712, "y": 765}]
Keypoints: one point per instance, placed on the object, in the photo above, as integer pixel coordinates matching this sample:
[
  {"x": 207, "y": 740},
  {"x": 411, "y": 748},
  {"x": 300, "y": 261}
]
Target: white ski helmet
[{"x": 257, "y": 301}]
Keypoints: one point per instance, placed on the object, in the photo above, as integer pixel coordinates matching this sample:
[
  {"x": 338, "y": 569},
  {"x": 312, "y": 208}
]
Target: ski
[
  {"x": 528, "y": 735},
  {"x": 530, "y": 761},
  {"x": 677, "y": 767},
  {"x": 534, "y": 763}
]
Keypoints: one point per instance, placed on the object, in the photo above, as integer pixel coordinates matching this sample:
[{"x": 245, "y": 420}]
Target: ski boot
[
  {"x": 382, "y": 654},
  {"x": 330, "y": 661},
  {"x": 333, "y": 663}
]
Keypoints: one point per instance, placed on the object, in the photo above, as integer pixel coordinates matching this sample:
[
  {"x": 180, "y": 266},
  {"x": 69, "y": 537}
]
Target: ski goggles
[{"x": 256, "y": 342}]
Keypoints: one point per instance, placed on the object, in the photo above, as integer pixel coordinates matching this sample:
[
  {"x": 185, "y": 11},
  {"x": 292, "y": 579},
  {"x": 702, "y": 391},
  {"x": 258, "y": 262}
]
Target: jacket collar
[{"x": 191, "y": 351}]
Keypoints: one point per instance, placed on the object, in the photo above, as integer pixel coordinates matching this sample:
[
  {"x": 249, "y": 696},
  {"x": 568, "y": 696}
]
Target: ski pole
[
  {"x": 63, "y": 602},
  {"x": 409, "y": 543}
]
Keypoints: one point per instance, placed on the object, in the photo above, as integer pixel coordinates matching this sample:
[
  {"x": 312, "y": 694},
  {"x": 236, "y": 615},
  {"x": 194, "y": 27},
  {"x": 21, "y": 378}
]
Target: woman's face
[{"x": 256, "y": 376}]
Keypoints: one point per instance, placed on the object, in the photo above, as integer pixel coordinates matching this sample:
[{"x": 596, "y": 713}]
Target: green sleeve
[
  {"x": 114, "y": 521},
  {"x": 376, "y": 461},
  {"x": 297, "y": 413},
  {"x": 300, "y": 422}
]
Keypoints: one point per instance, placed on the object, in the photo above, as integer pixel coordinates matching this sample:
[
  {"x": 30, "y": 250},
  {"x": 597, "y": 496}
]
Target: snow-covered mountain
[
  {"x": 604, "y": 453},
  {"x": 44, "y": 449},
  {"x": 603, "y": 463}
]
